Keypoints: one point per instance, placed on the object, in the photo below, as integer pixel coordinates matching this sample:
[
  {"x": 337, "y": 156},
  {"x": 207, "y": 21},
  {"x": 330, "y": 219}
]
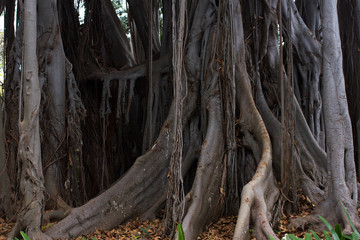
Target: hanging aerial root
[
  {"x": 203, "y": 199},
  {"x": 260, "y": 194},
  {"x": 136, "y": 193}
]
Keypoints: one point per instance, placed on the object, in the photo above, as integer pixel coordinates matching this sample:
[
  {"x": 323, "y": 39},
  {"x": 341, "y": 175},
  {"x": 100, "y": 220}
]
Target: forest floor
[{"x": 153, "y": 230}]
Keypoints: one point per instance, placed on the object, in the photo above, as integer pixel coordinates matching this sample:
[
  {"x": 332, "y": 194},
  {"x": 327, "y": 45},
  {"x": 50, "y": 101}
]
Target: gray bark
[
  {"x": 31, "y": 180},
  {"x": 261, "y": 193},
  {"x": 52, "y": 75},
  {"x": 339, "y": 140},
  {"x": 134, "y": 194}
]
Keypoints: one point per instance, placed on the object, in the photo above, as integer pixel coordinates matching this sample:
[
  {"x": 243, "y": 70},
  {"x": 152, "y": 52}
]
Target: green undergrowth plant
[
  {"x": 335, "y": 233},
  {"x": 24, "y": 236},
  {"x": 181, "y": 235},
  {"x": 92, "y": 238}
]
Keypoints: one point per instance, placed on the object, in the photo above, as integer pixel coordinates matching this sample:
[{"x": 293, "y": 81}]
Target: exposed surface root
[
  {"x": 136, "y": 193},
  {"x": 333, "y": 212},
  {"x": 133, "y": 194},
  {"x": 261, "y": 193},
  {"x": 61, "y": 210},
  {"x": 203, "y": 199},
  {"x": 258, "y": 196}
]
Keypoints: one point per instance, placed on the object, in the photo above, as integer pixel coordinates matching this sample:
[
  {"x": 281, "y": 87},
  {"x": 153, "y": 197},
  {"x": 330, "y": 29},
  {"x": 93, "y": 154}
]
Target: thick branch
[{"x": 161, "y": 65}]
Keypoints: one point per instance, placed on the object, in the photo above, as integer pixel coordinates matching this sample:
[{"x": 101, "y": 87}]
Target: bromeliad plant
[{"x": 336, "y": 232}]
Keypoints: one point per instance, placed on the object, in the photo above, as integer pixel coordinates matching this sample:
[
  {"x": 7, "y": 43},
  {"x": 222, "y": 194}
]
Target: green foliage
[
  {"x": 336, "y": 233},
  {"x": 181, "y": 235},
  {"x": 339, "y": 231},
  {"x": 92, "y": 238},
  {"x": 351, "y": 223},
  {"x": 333, "y": 233},
  {"x": 315, "y": 235},
  {"x": 121, "y": 11},
  {"x": 25, "y": 237},
  {"x": 308, "y": 236}
]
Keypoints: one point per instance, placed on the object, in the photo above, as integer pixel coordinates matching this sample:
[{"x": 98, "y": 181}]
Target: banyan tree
[{"x": 194, "y": 109}]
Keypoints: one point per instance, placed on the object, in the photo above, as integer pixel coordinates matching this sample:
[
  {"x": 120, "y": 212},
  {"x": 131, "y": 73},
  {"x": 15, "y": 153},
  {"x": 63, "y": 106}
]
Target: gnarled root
[
  {"x": 260, "y": 194},
  {"x": 132, "y": 195},
  {"x": 333, "y": 212},
  {"x": 136, "y": 193},
  {"x": 203, "y": 199},
  {"x": 63, "y": 209}
]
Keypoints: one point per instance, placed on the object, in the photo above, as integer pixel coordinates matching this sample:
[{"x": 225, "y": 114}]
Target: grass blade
[
  {"x": 308, "y": 236},
  {"x": 351, "y": 223},
  {"x": 333, "y": 233},
  {"x": 354, "y": 236},
  {"x": 349, "y": 237},
  {"x": 181, "y": 235},
  {"x": 293, "y": 237},
  {"x": 327, "y": 236},
  {"x": 25, "y": 237},
  {"x": 315, "y": 235},
  {"x": 339, "y": 232}
]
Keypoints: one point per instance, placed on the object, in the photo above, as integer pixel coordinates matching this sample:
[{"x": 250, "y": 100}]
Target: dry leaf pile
[
  {"x": 153, "y": 230},
  {"x": 5, "y": 228},
  {"x": 305, "y": 208}
]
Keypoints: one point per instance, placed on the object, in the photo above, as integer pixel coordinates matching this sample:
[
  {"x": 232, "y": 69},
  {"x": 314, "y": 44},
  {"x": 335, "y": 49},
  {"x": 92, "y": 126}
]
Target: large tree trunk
[
  {"x": 53, "y": 81},
  {"x": 339, "y": 140},
  {"x": 342, "y": 184},
  {"x": 31, "y": 180}
]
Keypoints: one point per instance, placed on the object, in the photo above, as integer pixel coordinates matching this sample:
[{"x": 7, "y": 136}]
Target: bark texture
[{"x": 31, "y": 179}]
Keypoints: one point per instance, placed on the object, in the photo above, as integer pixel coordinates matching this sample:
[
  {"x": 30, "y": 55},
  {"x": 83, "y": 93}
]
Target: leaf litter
[{"x": 223, "y": 229}]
